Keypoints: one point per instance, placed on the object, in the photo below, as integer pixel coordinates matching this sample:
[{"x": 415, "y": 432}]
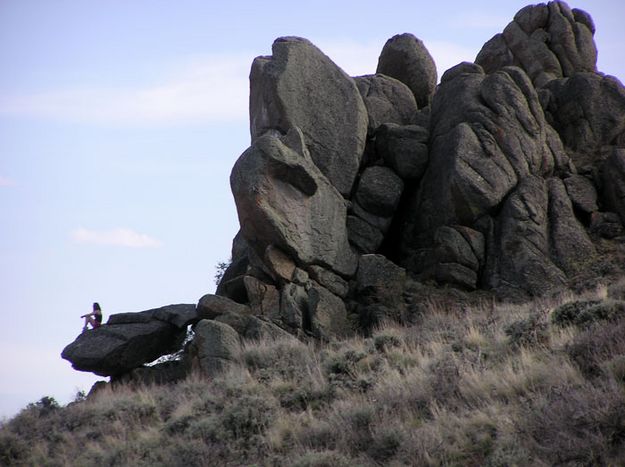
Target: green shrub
[
  {"x": 568, "y": 313},
  {"x": 385, "y": 444},
  {"x": 585, "y": 312},
  {"x": 13, "y": 449},
  {"x": 248, "y": 415},
  {"x": 382, "y": 342}
]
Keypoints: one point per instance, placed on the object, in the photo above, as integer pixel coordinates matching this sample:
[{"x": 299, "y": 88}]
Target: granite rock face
[
  {"x": 284, "y": 200},
  {"x": 299, "y": 86}
]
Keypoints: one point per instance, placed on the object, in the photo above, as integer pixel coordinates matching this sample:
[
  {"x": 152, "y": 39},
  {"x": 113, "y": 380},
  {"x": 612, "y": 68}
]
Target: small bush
[
  {"x": 13, "y": 449},
  {"x": 596, "y": 345},
  {"x": 247, "y": 416},
  {"x": 322, "y": 459},
  {"x": 586, "y": 312},
  {"x": 528, "y": 332},
  {"x": 385, "y": 444},
  {"x": 568, "y": 314}
]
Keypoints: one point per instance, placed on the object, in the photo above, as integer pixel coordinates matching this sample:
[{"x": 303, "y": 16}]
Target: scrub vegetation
[{"x": 496, "y": 385}]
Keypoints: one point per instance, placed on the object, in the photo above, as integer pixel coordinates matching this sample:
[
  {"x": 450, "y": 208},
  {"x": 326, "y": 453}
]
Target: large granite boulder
[
  {"x": 284, "y": 200},
  {"x": 129, "y": 340},
  {"x": 587, "y": 110},
  {"x": 299, "y": 86},
  {"x": 548, "y": 41},
  {"x": 379, "y": 285},
  {"x": 387, "y": 100},
  {"x": 404, "y": 57}
]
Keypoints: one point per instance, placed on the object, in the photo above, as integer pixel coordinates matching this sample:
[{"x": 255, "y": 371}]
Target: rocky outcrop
[
  {"x": 548, "y": 41},
  {"x": 298, "y": 86},
  {"x": 129, "y": 340},
  {"x": 371, "y": 199},
  {"x": 405, "y": 58}
]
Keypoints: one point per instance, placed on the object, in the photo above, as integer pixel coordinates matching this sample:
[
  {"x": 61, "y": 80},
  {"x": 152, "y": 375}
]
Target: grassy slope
[{"x": 498, "y": 386}]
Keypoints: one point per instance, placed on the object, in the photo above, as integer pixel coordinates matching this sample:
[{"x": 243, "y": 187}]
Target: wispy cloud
[
  {"x": 6, "y": 181},
  {"x": 210, "y": 89},
  {"x": 116, "y": 237}
]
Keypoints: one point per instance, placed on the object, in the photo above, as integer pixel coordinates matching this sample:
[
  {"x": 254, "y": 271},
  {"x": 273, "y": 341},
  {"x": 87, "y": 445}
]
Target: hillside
[{"x": 500, "y": 385}]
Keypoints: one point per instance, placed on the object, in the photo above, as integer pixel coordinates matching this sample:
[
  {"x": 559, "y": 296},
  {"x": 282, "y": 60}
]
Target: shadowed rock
[
  {"x": 404, "y": 149},
  {"x": 614, "y": 182},
  {"x": 587, "y": 110}
]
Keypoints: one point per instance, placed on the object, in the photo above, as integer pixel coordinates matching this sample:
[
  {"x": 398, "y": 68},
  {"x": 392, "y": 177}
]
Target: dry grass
[{"x": 491, "y": 386}]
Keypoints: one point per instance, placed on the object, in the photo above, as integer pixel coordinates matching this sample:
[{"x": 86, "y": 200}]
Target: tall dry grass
[{"x": 496, "y": 385}]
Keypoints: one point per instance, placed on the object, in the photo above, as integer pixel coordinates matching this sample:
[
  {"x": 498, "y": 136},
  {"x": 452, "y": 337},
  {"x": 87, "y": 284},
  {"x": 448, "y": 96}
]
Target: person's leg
[{"x": 84, "y": 328}]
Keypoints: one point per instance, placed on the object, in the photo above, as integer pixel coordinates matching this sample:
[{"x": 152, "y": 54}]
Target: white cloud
[
  {"x": 212, "y": 89},
  {"x": 116, "y": 237},
  {"x": 6, "y": 181}
]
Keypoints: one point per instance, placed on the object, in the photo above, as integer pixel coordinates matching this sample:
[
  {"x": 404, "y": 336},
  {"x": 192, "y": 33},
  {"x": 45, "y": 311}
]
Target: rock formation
[{"x": 359, "y": 199}]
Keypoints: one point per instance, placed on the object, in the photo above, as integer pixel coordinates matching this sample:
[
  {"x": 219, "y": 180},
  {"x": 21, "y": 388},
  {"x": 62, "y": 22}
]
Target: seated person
[{"x": 94, "y": 318}]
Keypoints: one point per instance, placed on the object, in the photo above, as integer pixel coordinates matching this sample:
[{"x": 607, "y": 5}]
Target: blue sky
[{"x": 119, "y": 123}]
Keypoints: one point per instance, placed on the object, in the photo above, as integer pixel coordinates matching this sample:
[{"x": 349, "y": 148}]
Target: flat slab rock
[{"x": 129, "y": 340}]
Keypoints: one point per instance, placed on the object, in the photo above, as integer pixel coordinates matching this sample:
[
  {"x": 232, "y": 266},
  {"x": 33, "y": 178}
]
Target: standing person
[{"x": 94, "y": 318}]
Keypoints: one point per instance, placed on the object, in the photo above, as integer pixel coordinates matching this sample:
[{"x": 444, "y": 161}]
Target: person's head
[{"x": 96, "y": 306}]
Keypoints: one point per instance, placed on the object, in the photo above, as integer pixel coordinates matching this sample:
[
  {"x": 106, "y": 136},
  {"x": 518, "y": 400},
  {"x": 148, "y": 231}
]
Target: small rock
[
  {"x": 280, "y": 265},
  {"x": 333, "y": 282},
  {"x": 215, "y": 347},
  {"x": 379, "y": 191},
  {"x": 363, "y": 235}
]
